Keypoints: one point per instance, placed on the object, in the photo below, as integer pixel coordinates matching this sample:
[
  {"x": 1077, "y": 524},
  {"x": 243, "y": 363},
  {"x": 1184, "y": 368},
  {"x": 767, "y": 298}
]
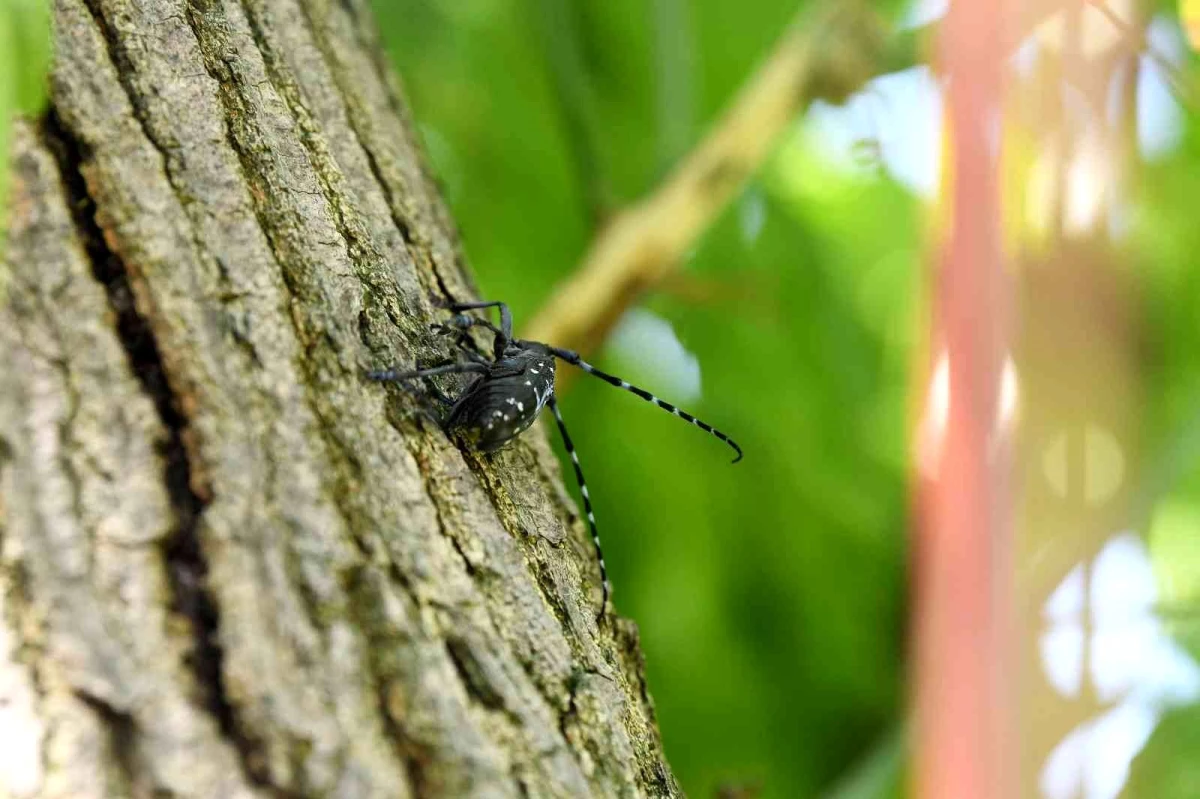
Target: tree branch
[{"x": 827, "y": 53}]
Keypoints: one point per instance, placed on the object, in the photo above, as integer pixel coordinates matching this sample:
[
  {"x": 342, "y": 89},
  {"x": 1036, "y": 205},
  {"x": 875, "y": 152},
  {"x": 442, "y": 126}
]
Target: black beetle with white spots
[{"x": 510, "y": 391}]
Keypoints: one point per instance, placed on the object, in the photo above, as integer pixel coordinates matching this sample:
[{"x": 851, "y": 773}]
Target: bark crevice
[
  {"x": 187, "y": 569},
  {"x": 122, "y": 733}
]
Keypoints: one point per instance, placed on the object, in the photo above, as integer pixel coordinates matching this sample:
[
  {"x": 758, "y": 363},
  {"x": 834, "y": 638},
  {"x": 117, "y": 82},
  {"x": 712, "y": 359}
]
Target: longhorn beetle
[{"x": 510, "y": 391}]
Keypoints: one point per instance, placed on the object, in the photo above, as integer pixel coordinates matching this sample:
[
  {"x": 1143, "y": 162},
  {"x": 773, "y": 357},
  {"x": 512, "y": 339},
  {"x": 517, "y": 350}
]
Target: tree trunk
[{"x": 231, "y": 566}]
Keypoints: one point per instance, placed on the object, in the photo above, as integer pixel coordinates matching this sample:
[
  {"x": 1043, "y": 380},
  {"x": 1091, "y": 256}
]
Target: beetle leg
[{"x": 391, "y": 375}]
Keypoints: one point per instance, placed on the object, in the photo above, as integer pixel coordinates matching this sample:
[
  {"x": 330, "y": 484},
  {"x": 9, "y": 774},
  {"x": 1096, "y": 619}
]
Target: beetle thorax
[{"x": 503, "y": 403}]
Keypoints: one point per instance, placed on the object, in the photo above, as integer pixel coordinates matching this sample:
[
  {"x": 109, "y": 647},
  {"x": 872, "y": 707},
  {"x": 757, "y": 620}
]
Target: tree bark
[{"x": 230, "y": 565}]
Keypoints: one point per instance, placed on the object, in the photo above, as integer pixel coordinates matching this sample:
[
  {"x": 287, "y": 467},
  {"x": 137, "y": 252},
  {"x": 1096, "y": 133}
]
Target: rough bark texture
[{"x": 231, "y": 566}]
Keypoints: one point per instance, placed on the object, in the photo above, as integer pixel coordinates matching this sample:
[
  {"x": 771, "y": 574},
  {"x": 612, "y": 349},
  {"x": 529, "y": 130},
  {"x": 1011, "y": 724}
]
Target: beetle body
[{"x": 502, "y": 403}]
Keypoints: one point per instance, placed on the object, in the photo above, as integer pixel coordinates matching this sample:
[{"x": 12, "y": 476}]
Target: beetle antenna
[
  {"x": 573, "y": 358},
  {"x": 587, "y": 504}
]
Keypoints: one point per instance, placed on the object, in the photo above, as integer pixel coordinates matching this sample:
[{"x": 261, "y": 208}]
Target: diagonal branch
[{"x": 827, "y": 53}]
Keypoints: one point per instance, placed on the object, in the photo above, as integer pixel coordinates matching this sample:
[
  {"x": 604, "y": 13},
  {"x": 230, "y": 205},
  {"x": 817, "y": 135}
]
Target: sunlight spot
[
  {"x": 752, "y": 215},
  {"x": 1024, "y": 57},
  {"x": 1189, "y": 13},
  {"x": 649, "y": 341},
  {"x": 1041, "y": 190},
  {"x": 1062, "y": 642},
  {"x": 1096, "y": 755},
  {"x": 900, "y": 115},
  {"x": 1099, "y": 472},
  {"x": 1098, "y": 35},
  {"x": 1136, "y": 670},
  {"x": 1160, "y": 116},
  {"x": 21, "y": 728},
  {"x": 1006, "y": 406},
  {"x": 931, "y": 432},
  {"x": 923, "y": 12},
  {"x": 1054, "y": 464},
  {"x": 1090, "y": 180}
]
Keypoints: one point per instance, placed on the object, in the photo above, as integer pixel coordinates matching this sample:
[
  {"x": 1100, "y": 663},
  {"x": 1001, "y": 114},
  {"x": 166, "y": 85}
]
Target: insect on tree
[{"x": 510, "y": 391}]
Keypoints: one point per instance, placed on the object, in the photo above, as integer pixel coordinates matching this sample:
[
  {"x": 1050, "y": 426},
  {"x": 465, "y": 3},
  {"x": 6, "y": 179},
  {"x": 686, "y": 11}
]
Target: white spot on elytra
[
  {"x": 521, "y": 407},
  {"x": 528, "y": 383}
]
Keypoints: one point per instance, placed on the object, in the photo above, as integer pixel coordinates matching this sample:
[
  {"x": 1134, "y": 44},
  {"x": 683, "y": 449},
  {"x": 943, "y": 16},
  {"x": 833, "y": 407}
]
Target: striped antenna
[
  {"x": 587, "y": 504},
  {"x": 573, "y": 358}
]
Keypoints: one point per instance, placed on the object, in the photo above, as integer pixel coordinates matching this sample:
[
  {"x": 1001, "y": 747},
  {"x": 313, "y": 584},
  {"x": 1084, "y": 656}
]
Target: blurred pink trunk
[{"x": 962, "y": 560}]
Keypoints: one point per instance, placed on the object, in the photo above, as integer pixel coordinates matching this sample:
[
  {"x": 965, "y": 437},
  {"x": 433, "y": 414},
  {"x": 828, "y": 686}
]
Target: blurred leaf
[
  {"x": 25, "y": 38},
  {"x": 24, "y": 61},
  {"x": 1189, "y": 18},
  {"x": 1164, "y": 241},
  {"x": 1175, "y": 551},
  {"x": 1168, "y": 767},
  {"x": 880, "y": 775}
]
